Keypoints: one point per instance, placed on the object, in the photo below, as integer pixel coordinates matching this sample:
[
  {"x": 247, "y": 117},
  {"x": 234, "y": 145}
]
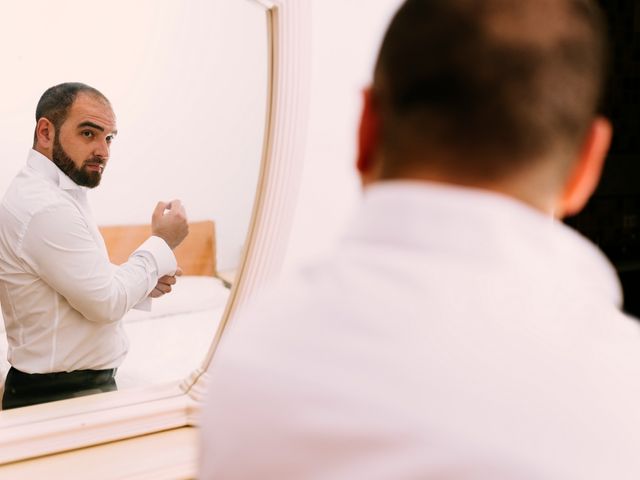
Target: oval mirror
[
  {"x": 210, "y": 99},
  {"x": 188, "y": 85}
]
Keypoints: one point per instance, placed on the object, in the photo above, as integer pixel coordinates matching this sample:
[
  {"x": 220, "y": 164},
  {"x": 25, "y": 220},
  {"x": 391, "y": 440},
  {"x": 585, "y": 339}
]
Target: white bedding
[{"x": 169, "y": 341}]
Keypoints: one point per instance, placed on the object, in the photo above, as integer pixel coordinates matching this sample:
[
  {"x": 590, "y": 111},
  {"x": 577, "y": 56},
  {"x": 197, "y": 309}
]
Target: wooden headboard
[{"x": 196, "y": 254}]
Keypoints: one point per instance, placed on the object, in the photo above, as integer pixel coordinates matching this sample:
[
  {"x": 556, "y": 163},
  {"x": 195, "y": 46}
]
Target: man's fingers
[
  {"x": 167, "y": 280},
  {"x": 163, "y": 287},
  {"x": 155, "y": 293},
  {"x": 164, "y": 284},
  {"x": 159, "y": 210},
  {"x": 175, "y": 206}
]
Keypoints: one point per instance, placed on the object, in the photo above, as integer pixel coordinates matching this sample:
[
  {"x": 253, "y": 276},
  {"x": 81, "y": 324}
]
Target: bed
[
  {"x": 171, "y": 340},
  {"x": 168, "y": 342}
]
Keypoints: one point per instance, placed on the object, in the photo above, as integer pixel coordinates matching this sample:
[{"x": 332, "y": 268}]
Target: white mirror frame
[{"x": 81, "y": 422}]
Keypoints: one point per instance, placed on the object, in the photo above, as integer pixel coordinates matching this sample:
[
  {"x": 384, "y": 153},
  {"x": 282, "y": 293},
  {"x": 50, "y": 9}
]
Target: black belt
[{"x": 22, "y": 389}]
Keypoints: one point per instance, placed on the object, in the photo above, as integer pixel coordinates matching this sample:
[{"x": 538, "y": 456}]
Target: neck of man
[
  {"x": 43, "y": 151},
  {"x": 538, "y": 187}
]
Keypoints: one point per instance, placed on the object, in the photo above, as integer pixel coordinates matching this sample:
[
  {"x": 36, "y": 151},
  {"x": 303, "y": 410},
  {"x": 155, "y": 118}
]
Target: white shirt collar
[
  {"x": 50, "y": 170},
  {"x": 475, "y": 223}
]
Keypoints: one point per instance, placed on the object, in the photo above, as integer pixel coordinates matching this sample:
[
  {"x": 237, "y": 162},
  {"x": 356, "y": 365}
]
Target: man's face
[{"x": 81, "y": 145}]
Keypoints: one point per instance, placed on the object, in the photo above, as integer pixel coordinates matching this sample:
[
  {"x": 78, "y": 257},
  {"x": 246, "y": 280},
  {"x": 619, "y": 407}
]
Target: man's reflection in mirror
[{"x": 62, "y": 299}]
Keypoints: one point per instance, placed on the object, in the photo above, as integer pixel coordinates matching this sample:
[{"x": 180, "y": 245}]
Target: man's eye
[
  {"x": 109, "y": 138},
  {"x": 87, "y": 134}
]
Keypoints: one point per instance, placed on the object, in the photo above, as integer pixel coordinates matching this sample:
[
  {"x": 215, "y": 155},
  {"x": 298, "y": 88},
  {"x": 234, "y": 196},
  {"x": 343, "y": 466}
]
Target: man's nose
[{"x": 102, "y": 150}]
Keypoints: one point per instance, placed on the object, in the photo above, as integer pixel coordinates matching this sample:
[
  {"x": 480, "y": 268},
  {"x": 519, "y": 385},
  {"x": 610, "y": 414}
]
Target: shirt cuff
[
  {"x": 143, "y": 305},
  {"x": 162, "y": 254}
]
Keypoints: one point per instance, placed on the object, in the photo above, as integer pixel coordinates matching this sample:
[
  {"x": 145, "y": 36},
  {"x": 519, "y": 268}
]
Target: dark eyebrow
[
  {"x": 96, "y": 126},
  {"x": 92, "y": 125}
]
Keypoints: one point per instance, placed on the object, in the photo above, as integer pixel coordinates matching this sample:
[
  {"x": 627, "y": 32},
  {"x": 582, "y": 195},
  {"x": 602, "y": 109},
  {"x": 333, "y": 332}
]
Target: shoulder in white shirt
[{"x": 453, "y": 333}]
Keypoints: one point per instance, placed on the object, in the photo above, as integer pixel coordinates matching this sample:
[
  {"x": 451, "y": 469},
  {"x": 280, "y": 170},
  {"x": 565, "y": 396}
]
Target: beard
[{"x": 82, "y": 176}]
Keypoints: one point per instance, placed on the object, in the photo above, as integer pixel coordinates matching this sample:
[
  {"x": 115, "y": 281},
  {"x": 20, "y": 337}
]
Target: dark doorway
[{"x": 612, "y": 217}]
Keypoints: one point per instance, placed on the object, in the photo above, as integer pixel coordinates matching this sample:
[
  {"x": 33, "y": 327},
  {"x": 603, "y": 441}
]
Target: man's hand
[
  {"x": 164, "y": 284},
  {"x": 171, "y": 226}
]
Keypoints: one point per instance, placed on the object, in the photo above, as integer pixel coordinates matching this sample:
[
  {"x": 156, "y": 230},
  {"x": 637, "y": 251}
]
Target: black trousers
[{"x": 22, "y": 389}]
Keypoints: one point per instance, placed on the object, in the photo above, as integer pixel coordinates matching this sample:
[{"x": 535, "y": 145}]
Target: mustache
[{"x": 95, "y": 161}]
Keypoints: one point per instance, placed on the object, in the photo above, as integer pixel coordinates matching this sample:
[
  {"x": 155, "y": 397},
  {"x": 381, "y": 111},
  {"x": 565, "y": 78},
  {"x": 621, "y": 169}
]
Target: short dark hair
[
  {"x": 55, "y": 102},
  {"x": 487, "y": 86}
]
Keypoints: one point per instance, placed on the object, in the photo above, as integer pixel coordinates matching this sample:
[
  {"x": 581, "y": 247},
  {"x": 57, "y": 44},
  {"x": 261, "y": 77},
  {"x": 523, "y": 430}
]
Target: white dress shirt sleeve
[
  {"x": 158, "y": 249},
  {"x": 59, "y": 247},
  {"x": 162, "y": 254}
]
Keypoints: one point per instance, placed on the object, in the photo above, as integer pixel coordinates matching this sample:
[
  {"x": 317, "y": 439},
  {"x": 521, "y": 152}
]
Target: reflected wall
[{"x": 188, "y": 82}]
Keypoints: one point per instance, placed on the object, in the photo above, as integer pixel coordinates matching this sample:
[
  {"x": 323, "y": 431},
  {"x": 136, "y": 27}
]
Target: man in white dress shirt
[
  {"x": 458, "y": 330},
  {"x": 62, "y": 300}
]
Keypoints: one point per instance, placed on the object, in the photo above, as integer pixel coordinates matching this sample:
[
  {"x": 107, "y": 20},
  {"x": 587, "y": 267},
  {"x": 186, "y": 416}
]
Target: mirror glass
[{"x": 188, "y": 82}]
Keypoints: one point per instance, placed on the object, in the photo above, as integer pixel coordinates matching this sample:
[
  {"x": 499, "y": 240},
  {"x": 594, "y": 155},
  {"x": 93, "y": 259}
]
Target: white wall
[
  {"x": 177, "y": 136},
  {"x": 346, "y": 38},
  {"x": 187, "y": 80}
]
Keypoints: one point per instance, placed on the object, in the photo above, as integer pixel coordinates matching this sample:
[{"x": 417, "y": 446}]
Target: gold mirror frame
[{"x": 48, "y": 429}]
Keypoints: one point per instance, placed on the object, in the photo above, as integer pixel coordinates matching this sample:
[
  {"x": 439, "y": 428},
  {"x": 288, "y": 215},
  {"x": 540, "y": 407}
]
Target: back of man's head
[{"x": 481, "y": 89}]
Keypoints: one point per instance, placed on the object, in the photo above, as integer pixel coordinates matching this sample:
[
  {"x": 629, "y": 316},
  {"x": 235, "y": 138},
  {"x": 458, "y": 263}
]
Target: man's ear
[
  {"x": 368, "y": 138},
  {"x": 585, "y": 176},
  {"x": 45, "y": 133}
]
